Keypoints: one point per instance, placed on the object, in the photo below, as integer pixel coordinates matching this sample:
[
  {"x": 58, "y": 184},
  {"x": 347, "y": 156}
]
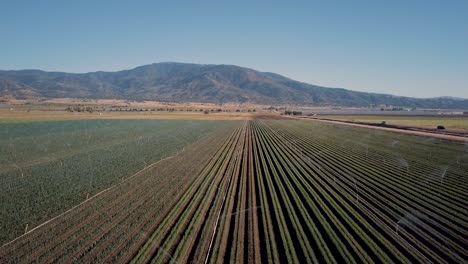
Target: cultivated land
[
  {"x": 252, "y": 191},
  {"x": 454, "y": 123},
  {"x": 47, "y": 167}
]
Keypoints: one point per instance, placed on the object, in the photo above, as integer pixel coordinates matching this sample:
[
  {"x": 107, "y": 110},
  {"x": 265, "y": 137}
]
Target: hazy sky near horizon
[{"x": 402, "y": 47}]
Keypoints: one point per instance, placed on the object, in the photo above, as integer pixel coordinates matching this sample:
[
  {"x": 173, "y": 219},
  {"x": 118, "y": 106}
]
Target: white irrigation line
[
  {"x": 300, "y": 153},
  {"x": 217, "y": 221},
  {"x": 243, "y": 211},
  {"x": 376, "y": 217},
  {"x": 220, "y": 210},
  {"x": 165, "y": 252},
  {"x": 396, "y": 233},
  {"x": 92, "y": 197},
  {"x": 415, "y": 219},
  {"x": 364, "y": 207}
]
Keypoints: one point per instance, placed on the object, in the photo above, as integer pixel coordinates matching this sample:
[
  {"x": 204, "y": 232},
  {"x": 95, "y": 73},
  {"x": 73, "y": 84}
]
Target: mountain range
[{"x": 184, "y": 82}]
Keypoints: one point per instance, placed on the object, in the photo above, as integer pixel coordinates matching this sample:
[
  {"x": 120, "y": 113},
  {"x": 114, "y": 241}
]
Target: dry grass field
[{"x": 55, "y": 109}]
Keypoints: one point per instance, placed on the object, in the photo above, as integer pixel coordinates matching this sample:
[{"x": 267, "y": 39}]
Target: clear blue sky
[{"x": 413, "y": 48}]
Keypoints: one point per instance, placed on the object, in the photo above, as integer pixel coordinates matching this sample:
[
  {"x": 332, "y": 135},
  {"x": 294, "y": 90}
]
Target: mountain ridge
[{"x": 184, "y": 82}]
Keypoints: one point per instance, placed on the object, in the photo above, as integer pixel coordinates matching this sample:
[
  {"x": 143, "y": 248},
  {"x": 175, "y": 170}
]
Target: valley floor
[{"x": 271, "y": 191}]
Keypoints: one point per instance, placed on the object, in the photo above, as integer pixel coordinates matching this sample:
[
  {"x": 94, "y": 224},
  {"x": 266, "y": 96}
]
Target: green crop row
[{"x": 48, "y": 168}]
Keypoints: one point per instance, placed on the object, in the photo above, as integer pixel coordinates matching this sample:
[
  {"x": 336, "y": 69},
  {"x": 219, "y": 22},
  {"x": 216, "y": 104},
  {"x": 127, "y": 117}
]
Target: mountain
[
  {"x": 169, "y": 81},
  {"x": 451, "y": 98}
]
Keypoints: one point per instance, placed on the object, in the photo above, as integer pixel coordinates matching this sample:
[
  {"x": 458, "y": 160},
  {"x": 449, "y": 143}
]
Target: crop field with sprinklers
[{"x": 245, "y": 191}]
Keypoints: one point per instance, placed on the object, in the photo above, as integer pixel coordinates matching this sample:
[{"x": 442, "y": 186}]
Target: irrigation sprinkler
[
  {"x": 438, "y": 172},
  {"x": 217, "y": 187},
  {"x": 167, "y": 254},
  {"x": 309, "y": 160},
  {"x": 404, "y": 164},
  {"x": 242, "y": 211},
  {"x": 401, "y": 220},
  {"x": 407, "y": 219},
  {"x": 396, "y": 232},
  {"x": 415, "y": 218},
  {"x": 356, "y": 187},
  {"x": 304, "y": 158},
  {"x": 429, "y": 139},
  {"x": 444, "y": 169}
]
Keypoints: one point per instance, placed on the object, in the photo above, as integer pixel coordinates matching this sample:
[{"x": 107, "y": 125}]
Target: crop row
[
  {"x": 121, "y": 217},
  {"x": 274, "y": 192},
  {"x": 292, "y": 194},
  {"x": 48, "y": 168}
]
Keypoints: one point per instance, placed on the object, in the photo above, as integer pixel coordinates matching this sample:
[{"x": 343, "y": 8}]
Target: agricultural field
[
  {"x": 48, "y": 167},
  {"x": 254, "y": 191},
  {"x": 24, "y": 116},
  {"x": 455, "y": 123}
]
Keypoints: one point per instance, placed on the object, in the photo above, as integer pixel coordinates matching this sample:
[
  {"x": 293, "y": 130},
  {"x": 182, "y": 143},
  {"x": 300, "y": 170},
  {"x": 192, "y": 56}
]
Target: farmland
[
  {"x": 47, "y": 167},
  {"x": 251, "y": 191},
  {"x": 455, "y": 123}
]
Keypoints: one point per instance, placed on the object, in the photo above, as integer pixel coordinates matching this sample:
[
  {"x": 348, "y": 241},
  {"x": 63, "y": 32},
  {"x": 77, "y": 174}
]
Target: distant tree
[
  {"x": 206, "y": 112},
  {"x": 287, "y": 112}
]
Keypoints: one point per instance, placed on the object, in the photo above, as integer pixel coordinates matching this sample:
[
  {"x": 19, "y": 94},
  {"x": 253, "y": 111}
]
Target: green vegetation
[
  {"x": 47, "y": 167},
  {"x": 275, "y": 191}
]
